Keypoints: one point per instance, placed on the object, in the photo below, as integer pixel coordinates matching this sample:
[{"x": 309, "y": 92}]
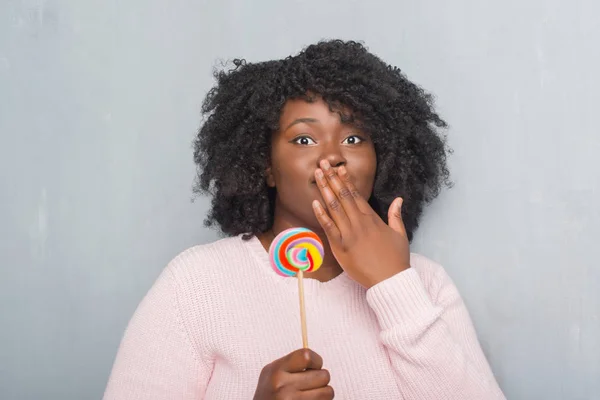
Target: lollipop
[
  {"x": 293, "y": 252},
  {"x": 296, "y": 250}
]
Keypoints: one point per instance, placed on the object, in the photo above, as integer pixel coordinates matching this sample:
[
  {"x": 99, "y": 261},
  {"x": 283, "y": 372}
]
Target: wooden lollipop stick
[{"x": 300, "y": 276}]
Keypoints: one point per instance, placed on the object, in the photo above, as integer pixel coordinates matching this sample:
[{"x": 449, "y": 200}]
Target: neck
[{"x": 330, "y": 267}]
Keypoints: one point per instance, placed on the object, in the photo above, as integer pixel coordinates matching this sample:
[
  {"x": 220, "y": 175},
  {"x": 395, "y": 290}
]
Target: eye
[
  {"x": 353, "y": 140},
  {"x": 304, "y": 141}
]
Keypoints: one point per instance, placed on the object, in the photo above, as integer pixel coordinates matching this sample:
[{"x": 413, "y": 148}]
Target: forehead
[{"x": 317, "y": 109}]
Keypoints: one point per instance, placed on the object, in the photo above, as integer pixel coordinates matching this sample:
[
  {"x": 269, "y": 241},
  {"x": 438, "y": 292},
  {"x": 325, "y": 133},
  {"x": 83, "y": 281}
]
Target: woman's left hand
[{"x": 366, "y": 248}]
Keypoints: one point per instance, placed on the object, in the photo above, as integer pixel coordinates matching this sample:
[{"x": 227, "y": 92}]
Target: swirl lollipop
[
  {"x": 296, "y": 250},
  {"x": 293, "y": 252}
]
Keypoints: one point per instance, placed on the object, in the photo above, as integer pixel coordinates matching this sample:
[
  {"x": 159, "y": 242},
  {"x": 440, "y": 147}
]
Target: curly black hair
[{"x": 232, "y": 148}]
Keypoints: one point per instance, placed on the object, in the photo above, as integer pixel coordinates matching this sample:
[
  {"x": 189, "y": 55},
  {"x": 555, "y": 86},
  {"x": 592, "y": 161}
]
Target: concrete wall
[{"x": 99, "y": 103}]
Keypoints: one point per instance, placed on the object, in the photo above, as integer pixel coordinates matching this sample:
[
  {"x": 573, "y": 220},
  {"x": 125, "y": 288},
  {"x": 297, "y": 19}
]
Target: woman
[{"x": 334, "y": 140}]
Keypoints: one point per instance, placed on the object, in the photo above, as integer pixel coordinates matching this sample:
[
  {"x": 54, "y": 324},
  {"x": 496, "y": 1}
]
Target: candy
[{"x": 294, "y": 250}]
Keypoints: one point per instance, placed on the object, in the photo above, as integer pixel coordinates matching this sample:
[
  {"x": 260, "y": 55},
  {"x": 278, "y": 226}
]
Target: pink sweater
[{"x": 218, "y": 314}]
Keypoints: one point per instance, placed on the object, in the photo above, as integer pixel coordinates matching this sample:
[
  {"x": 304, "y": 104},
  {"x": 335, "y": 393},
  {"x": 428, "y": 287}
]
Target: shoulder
[
  {"x": 211, "y": 251},
  {"x": 432, "y": 274},
  {"x": 207, "y": 259},
  {"x": 211, "y": 265},
  {"x": 204, "y": 275},
  {"x": 426, "y": 267}
]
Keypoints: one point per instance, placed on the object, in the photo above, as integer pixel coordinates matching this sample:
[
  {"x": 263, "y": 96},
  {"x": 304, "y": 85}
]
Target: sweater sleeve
[
  {"x": 430, "y": 339},
  {"x": 156, "y": 359}
]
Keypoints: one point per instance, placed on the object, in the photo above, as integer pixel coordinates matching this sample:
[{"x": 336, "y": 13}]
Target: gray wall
[{"x": 99, "y": 103}]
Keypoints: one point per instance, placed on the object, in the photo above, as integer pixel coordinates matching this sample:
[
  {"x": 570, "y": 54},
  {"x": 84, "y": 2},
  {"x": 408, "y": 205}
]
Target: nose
[{"x": 333, "y": 154}]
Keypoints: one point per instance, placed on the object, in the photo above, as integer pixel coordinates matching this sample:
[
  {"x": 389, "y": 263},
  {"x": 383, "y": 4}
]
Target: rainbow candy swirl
[{"x": 296, "y": 249}]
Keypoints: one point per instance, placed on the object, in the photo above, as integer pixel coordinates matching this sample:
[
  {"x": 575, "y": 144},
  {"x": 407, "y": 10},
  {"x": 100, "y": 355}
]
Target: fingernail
[
  {"x": 342, "y": 170},
  {"x": 325, "y": 165}
]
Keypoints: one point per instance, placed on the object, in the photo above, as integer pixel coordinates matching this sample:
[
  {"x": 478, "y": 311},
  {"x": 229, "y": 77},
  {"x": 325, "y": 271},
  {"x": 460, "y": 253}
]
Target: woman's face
[{"x": 309, "y": 133}]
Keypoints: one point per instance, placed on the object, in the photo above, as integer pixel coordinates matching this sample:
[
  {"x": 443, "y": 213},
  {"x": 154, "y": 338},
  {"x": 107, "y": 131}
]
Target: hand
[
  {"x": 297, "y": 376},
  {"x": 366, "y": 248}
]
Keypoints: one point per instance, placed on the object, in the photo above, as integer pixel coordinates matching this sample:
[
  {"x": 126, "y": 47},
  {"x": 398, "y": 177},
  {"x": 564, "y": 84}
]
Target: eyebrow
[{"x": 302, "y": 121}]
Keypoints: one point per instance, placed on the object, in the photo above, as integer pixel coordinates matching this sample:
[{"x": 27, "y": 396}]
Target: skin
[
  {"x": 298, "y": 375},
  {"x": 324, "y": 170}
]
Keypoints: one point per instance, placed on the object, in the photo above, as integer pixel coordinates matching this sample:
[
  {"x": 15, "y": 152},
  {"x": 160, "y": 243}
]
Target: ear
[{"x": 270, "y": 179}]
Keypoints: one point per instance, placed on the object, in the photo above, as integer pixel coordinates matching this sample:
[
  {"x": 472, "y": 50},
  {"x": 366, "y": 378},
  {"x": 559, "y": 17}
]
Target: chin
[
  {"x": 308, "y": 219},
  {"x": 313, "y": 224},
  {"x": 300, "y": 213}
]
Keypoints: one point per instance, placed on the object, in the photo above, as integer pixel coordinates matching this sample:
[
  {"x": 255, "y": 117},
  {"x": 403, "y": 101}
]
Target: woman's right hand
[{"x": 299, "y": 375}]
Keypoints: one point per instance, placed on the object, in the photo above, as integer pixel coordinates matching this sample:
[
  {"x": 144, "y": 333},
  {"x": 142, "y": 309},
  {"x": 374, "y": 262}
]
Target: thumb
[{"x": 395, "y": 215}]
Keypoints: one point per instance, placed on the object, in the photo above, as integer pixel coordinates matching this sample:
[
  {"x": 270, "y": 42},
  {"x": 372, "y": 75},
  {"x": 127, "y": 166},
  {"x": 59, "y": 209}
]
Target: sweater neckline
[{"x": 262, "y": 256}]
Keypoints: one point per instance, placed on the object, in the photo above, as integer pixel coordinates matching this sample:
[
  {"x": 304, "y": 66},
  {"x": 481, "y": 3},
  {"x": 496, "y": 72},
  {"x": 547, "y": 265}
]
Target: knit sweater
[{"x": 218, "y": 314}]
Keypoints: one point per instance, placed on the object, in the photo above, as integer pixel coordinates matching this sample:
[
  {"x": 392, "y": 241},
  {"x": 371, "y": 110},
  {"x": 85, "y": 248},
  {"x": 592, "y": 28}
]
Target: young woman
[{"x": 337, "y": 141}]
